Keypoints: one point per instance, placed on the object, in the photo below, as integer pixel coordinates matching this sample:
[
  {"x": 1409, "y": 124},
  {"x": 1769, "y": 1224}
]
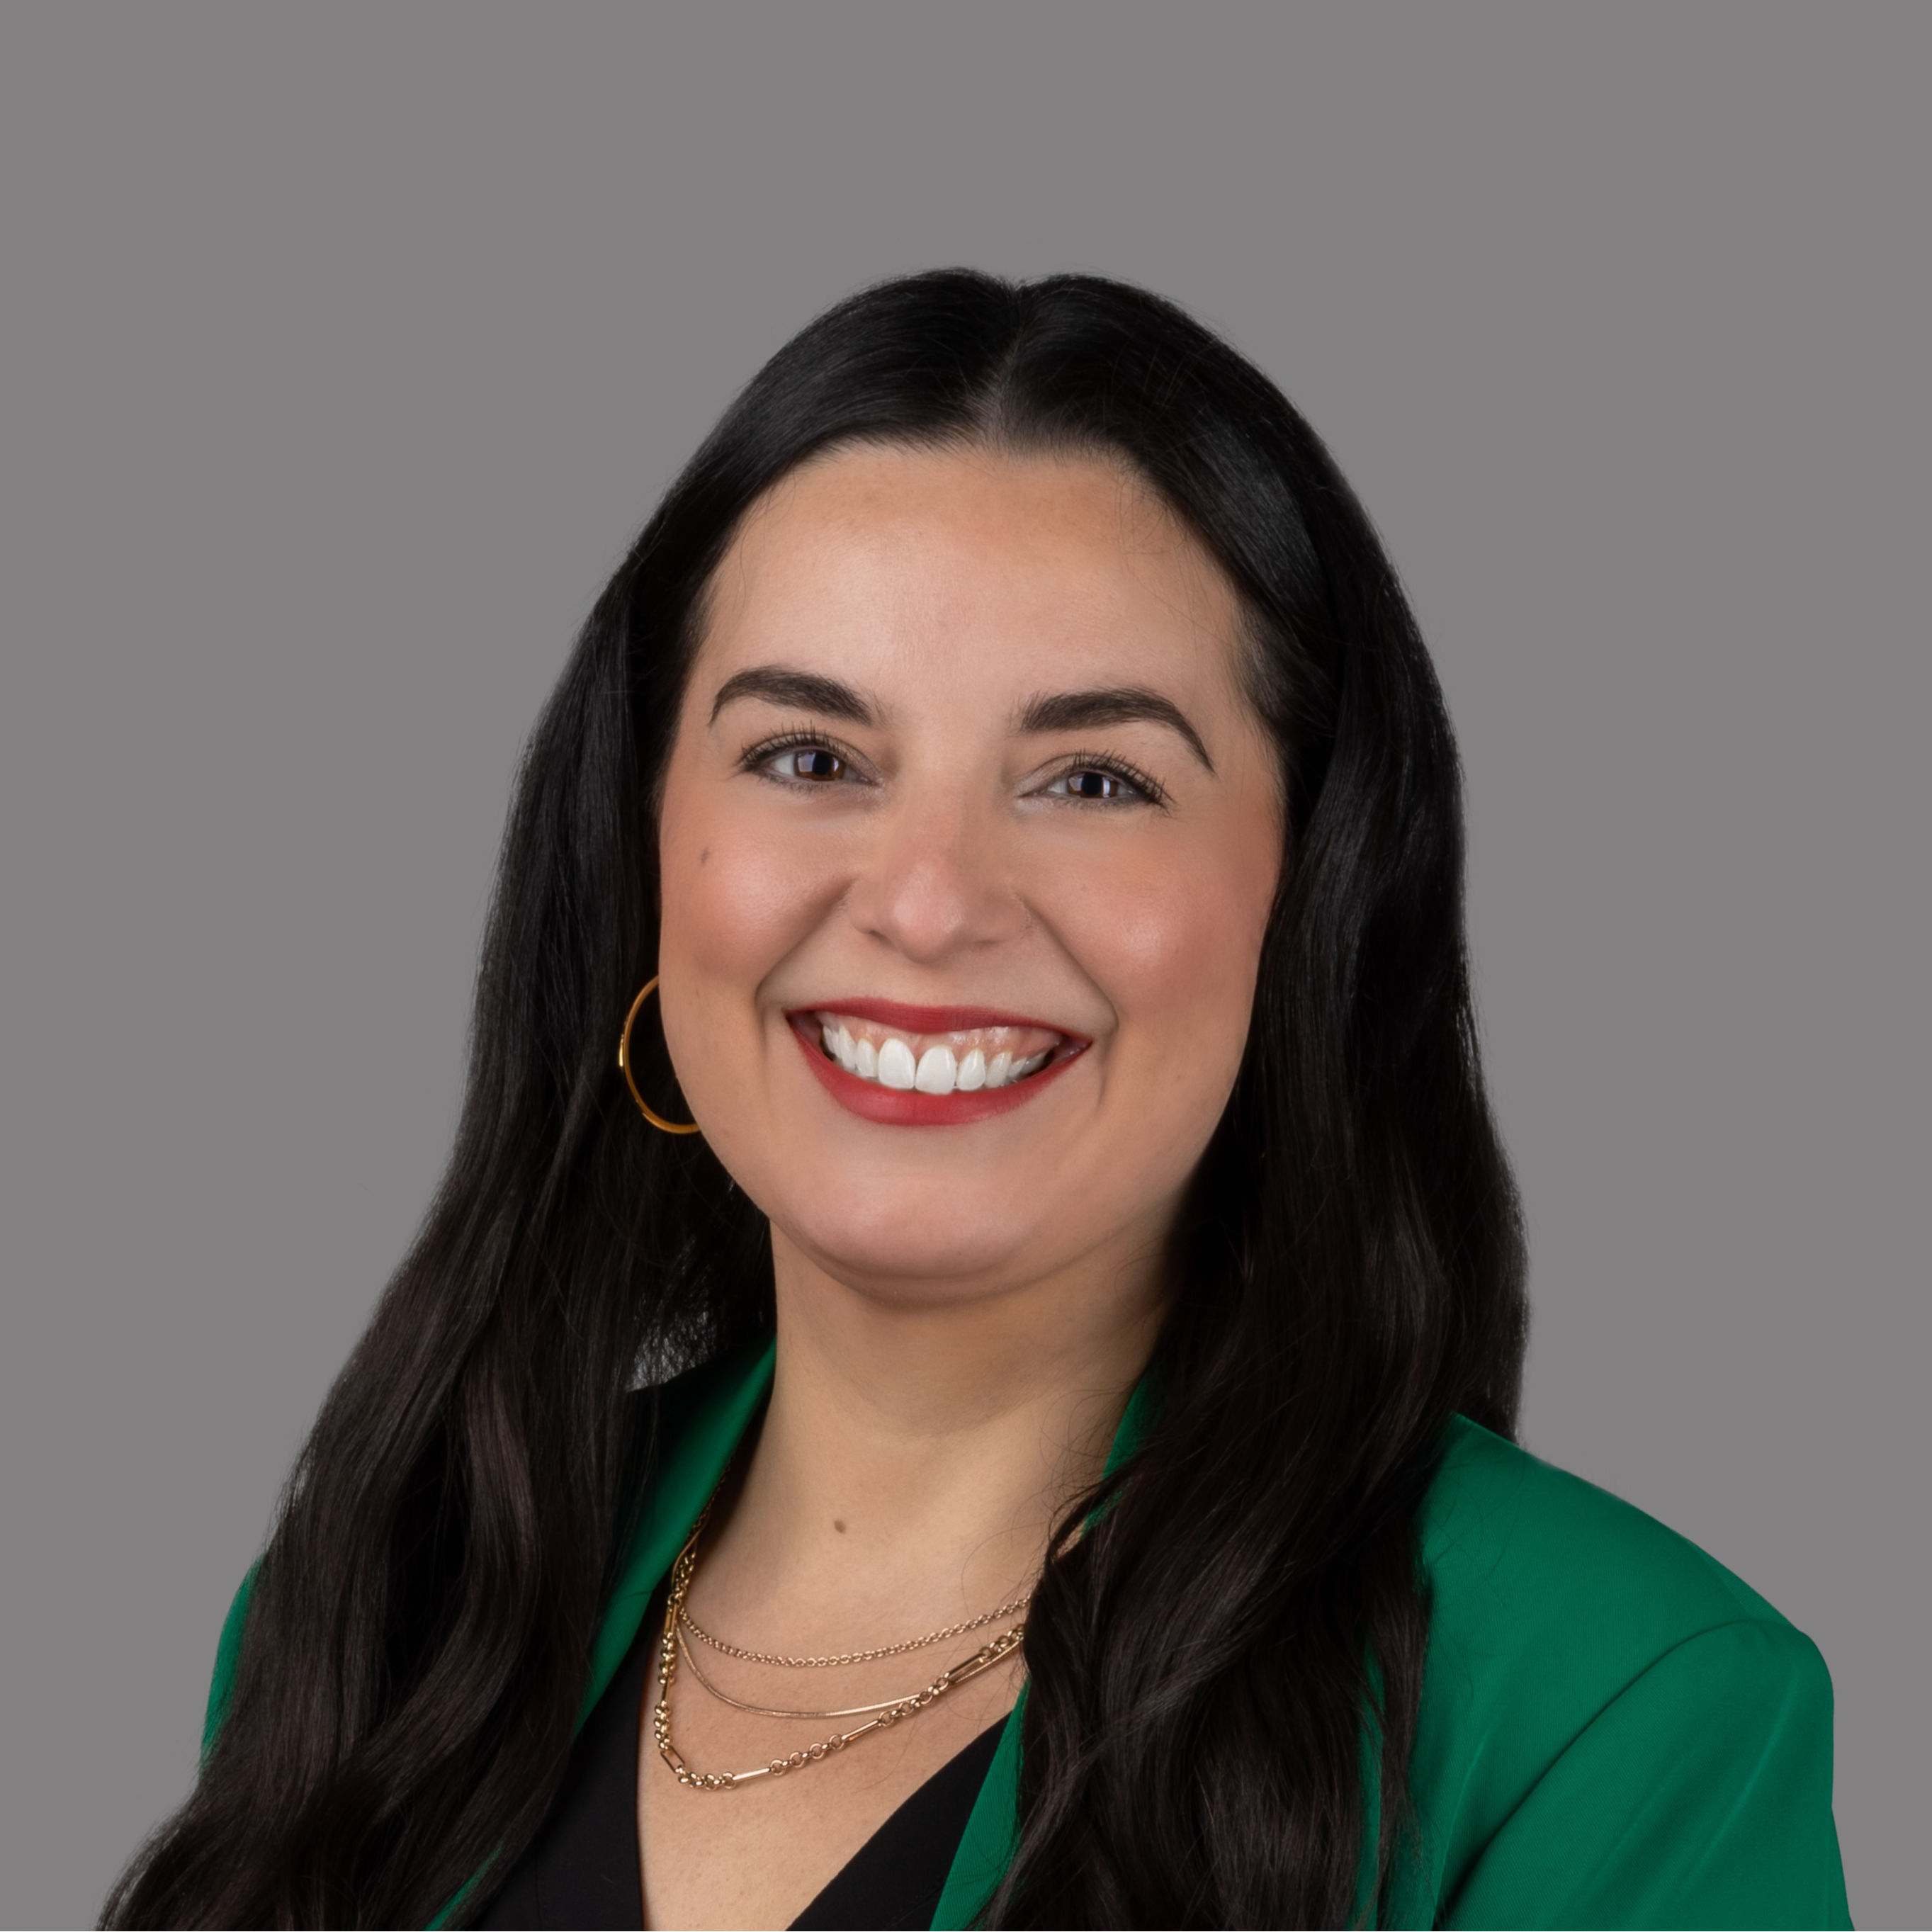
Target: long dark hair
[{"x": 1243, "y": 1632}]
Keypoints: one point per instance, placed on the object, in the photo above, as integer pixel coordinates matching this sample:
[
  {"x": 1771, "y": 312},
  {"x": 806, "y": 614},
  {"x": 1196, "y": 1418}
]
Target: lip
[
  {"x": 895, "y": 1107},
  {"x": 932, "y": 1019}
]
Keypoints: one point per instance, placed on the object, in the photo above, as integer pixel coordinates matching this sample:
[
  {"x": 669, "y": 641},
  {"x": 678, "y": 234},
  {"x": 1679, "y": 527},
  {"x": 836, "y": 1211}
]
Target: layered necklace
[{"x": 674, "y": 1648}]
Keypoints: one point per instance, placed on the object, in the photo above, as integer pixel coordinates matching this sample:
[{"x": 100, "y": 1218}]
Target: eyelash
[
  {"x": 1112, "y": 766},
  {"x": 758, "y": 757}
]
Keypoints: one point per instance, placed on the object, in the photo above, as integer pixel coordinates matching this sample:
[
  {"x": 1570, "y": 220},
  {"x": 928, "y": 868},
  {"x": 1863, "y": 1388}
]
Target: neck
[{"x": 915, "y": 1456}]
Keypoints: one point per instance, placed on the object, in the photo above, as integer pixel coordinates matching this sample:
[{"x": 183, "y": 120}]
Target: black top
[{"x": 582, "y": 1869}]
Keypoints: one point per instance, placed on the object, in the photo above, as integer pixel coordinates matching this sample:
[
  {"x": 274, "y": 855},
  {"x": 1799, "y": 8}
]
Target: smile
[{"x": 929, "y": 1066}]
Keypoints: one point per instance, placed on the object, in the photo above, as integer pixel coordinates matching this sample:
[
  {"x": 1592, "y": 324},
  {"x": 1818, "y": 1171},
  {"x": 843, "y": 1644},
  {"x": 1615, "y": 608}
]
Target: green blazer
[{"x": 1614, "y": 1730}]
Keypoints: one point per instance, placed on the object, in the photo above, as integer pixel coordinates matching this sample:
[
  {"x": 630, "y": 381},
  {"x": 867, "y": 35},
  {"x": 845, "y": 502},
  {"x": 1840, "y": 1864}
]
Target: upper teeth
[{"x": 960, "y": 1064}]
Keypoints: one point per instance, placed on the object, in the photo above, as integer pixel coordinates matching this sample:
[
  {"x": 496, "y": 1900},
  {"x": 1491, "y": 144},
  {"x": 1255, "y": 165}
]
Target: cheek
[
  {"x": 1175, "y": 939},
  {"x": 735, "y": 899},
  {"x": 733, "y": 902}
]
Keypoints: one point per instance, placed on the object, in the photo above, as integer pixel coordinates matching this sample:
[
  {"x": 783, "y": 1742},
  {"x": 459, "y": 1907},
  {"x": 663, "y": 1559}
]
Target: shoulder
[
  {"x": 227, "y": 1660},
  {"x": 692, "y": 1419},
  {"x": 1583, "y": 1660},
  {"x": 1506, "y": 1537}
]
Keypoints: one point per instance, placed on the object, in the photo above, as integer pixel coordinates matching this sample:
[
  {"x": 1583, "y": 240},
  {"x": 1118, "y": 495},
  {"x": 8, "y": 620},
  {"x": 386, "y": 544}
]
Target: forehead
[{"x": 959, "y": 568}]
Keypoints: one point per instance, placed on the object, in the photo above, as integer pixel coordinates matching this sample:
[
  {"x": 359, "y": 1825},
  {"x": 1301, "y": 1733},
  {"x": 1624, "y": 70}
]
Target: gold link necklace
[{"x": 671, "y": 1646}]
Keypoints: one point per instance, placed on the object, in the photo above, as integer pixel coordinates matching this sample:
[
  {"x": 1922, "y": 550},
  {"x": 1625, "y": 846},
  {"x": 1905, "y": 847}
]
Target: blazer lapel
[
  {"x": 696, "y": 1445},
  {"x": 694, "y": 1457},
  {"x": 992, "y": 1833}
]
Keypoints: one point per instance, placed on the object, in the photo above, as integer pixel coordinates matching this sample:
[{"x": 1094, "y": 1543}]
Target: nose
[{"x": 936, "y": 883}]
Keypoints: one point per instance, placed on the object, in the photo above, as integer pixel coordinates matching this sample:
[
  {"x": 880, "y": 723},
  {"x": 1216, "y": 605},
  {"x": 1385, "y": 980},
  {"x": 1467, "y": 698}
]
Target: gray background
[{"x": 340, "y": 356}]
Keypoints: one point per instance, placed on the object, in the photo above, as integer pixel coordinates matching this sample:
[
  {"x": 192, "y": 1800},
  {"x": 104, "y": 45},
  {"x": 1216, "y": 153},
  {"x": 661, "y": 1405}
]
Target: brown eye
[
  {"x": 1095, "y": 785},
  {"x": 813, "y": 762},
  {"x": 1092, "y": 785}
]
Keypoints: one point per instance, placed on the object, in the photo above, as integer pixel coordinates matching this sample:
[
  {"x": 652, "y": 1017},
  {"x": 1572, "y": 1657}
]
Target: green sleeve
[
  {"x": 1699, "y": 1796},
  {"x": 227, "y": 1657}
]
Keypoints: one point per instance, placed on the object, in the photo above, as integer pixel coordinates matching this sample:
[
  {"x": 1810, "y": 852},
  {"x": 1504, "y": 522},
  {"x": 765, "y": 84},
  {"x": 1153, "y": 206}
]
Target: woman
[{"x": 1013, "y": 1425}]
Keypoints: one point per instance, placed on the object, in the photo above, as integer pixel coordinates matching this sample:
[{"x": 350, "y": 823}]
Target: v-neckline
[
  {"x": 584, "y": 1868},
  {"x": 704, "y": 1416}
]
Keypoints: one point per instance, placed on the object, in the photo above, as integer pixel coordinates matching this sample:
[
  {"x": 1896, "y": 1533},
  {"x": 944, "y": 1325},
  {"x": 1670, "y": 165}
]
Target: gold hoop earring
[{"x": 657, "y": 1120}]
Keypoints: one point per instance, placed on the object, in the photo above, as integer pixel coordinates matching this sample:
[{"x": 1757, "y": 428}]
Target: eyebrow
[
  {"x": 1051, "y": 711},
  {"x": 804, "y": 690},
  {"x": 1127, "y": 704}
]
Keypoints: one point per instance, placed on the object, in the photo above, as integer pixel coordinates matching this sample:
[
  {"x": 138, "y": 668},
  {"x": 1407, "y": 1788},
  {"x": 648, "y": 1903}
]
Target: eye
[
  {"x": 799, "y": 757},
  {"x": 811, "y": 762},
  {"x": 1094, "y": 784}
]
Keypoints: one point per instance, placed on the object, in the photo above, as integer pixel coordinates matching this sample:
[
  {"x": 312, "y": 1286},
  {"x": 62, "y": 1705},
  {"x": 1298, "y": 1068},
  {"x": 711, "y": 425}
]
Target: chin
[{"x": 910, "y": 1260}]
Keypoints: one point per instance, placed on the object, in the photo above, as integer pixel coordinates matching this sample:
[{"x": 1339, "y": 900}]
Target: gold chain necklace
[
  {"x": 931, "y": 1637},
  {"x": 724, "y": 1696},
  {"x": 996, "y": 1651}
]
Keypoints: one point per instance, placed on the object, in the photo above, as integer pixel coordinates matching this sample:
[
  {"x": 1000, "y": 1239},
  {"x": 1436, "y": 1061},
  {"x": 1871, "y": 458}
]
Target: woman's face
[{"x": 969, "y": 836}]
